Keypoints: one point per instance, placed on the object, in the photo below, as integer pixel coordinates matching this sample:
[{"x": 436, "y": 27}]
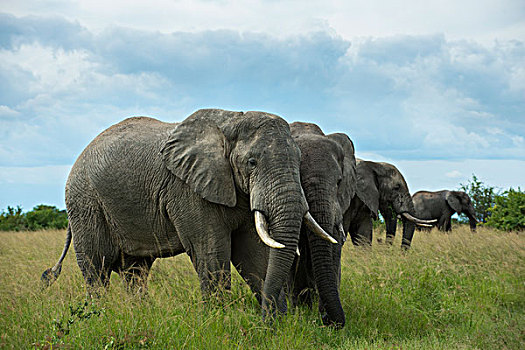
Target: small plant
[{"x": 62, "y": 326}]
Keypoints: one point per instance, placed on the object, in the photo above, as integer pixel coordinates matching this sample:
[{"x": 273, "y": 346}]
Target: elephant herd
[{"x": 247, "y": 189}]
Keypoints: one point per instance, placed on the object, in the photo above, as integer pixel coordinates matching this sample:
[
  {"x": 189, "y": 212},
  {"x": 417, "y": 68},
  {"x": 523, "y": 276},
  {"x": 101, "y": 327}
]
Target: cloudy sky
[{"x": 435, "y": 87}]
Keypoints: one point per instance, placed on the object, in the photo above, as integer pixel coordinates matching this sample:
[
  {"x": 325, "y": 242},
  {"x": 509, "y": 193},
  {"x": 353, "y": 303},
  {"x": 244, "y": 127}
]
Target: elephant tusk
[
  {"x": 419, "y": 222},
  {"x": 341, "y": 232},
  {"x": 262, "y": 230},
  {"x": 297, "y": 251},
  {"x": 316, "y": 228}
]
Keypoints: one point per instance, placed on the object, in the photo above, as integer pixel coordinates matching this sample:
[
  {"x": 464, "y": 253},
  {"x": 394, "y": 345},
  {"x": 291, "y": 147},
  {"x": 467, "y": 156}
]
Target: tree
[
  {"x": 509, "y": 211},
  {"x": 482, "y": 197}
]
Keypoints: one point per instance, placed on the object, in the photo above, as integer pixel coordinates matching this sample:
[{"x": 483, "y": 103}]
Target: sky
[{"x": 436, "y": 88}]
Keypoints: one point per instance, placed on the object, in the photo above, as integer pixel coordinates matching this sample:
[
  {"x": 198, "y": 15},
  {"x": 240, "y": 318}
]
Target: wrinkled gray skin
[
  {"x": 145, "y": 189},
  {"x": 380, "y": 187},
  {"x": 441, "y": 205},
  {"x": 328, "y": 179}
]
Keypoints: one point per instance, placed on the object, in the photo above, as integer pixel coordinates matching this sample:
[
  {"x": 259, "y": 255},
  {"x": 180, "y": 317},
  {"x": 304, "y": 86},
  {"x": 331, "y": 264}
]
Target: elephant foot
[{"x": 337, "y": 324}]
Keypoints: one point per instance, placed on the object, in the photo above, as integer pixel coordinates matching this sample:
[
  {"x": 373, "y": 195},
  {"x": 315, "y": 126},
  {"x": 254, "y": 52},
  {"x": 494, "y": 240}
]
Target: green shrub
[
  {"x": 12, "y": 219},
  {"x": 509, "y": 211},
  {"x": 41, "y": 217},
  {"x": 45, "y": 216}
]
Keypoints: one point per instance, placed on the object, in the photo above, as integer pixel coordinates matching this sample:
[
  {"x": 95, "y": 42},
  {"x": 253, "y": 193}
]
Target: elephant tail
[{"x": 50, "y": 275}]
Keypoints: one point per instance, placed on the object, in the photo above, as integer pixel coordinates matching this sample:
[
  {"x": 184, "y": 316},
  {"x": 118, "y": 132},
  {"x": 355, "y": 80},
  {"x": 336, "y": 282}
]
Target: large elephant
[
  {"x": 328, "y": 178},
  {"x": 380, "y": 187},
  {"x": 441, "y": 205},
  {"x": 145, "y": 189}
]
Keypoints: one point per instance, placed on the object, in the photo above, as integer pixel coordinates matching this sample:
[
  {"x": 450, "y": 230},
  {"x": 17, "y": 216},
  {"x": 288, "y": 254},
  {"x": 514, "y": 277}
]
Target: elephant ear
[
  {"x": 196, "y": 152},
  {"x": 367, "y": 189},
  {"x": 453, "y": 201},
  {"x": 348, "y": 186}
]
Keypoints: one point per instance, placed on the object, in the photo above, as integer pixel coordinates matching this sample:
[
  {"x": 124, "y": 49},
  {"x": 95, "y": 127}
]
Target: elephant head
[
  {"x": 460, "y": 202},
  {"x": 231, "y": 158},
  {"x": 328, "y": 178},
  {"x": 381, "y": 186}
]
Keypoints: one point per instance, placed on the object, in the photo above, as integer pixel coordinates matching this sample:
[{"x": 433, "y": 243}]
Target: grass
[{"x": 460, "y": 290}]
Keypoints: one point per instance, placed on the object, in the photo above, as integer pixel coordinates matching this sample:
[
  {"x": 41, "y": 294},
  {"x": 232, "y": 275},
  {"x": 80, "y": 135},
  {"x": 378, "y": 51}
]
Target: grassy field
[{"x": 450, "y": 291}]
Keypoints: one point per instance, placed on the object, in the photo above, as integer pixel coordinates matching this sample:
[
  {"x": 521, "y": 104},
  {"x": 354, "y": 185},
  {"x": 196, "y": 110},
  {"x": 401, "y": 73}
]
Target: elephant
[
  {"x": 221, "y": 186},
  {"x": 441, "y": 205},
  {"x": 328, "y": 178},
  {"x": 381, "y": 187}
]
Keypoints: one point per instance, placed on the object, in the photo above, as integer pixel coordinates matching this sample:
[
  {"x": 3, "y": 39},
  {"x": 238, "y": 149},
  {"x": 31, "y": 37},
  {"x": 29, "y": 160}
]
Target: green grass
[{"x": 460, "y": 290}]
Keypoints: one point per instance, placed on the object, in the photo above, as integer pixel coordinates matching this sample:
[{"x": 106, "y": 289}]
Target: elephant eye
[{"x": 252, "y": 162}]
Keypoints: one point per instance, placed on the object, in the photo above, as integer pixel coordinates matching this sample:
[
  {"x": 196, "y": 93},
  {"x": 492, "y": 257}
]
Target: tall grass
[{"x": 460, "y": 290}]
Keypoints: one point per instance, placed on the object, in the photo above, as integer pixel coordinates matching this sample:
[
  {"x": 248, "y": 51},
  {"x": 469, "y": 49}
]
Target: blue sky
[{"x": 436, "y": 89}]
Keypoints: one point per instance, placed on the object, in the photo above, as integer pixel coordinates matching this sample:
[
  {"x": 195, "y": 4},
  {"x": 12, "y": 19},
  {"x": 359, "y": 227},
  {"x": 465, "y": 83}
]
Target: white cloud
[
  {"x": 454, "y": 174},
  {"x": 517, "y": 79},
  {"x": 53, "y": 70},
  {"x": 6, "y": 112},
  {"x": 483, "y": 20},
  {"x": 400, "y": 97},
  {"x": 518, "y": 141},
  {"x": 45, "y": 175}
]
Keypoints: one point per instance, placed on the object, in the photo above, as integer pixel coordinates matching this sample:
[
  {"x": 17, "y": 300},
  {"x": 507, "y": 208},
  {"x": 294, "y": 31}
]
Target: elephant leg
[
  {"x": 302, "y": 282},
  {"x": 205, "y": 236},
  {"x": 361, "y": 230},
  {"x": 211, "y": 259},
  {"x": 213, "y": 268},
  {"x": 250, "y": 258},
  {"x": 442, "y": 221},
  {"x": 135, "y": 271},
  {"x": 448, "y": 225},
  {"x": 96, "y": 269},
  {"x": 95, "y": 251},
  {"x": 390, "y": 223}
]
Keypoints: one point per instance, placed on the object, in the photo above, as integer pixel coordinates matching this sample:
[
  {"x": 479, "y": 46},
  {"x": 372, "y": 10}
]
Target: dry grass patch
[{"x": 460, "y": 290}]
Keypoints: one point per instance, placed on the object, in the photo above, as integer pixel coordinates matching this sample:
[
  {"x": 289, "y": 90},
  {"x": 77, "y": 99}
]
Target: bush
[
  {"x": 41, "y": 217},
  {"x": 509, "y": 211},
  {"x": 13, "y": 219},
  {"x": 45, "y": 216}
]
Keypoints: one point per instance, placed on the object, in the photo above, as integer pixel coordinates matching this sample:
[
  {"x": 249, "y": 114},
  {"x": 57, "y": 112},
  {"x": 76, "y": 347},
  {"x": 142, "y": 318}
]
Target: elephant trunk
[
  {"x": 472, "y": 219},
  {"x": 408, "y": 233},
  {"x": 284, "y": 206},
  {"x": 325, "y": 258},
  {"x": 407, "y": 211},
  {"x": 285, "y": 228}
]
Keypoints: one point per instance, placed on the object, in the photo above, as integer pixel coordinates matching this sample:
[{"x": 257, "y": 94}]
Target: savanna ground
[{"x": 460, "y": 290}]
